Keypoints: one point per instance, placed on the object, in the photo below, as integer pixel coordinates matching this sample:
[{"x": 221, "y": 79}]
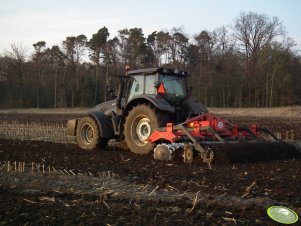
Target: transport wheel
[
  {"x": 88, "y": 135},
  {"x": 139, "y": 125}
]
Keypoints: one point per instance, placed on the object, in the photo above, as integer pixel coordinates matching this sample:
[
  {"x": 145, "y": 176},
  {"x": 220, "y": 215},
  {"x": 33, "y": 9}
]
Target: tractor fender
[
  {"x": 71, "y": 127},
  {"x": 158, "y": 101},
  {"x": 104, "y": 123},
  {"x": 193, "y": 107}
]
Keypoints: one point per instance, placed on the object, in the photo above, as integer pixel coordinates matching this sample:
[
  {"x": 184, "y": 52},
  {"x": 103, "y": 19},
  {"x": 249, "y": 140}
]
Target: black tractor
[{"x": 147, "y": 99}]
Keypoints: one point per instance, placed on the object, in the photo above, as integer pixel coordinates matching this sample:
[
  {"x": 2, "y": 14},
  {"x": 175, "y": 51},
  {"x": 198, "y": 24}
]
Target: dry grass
[
  {"x": 43, "y": 131},
  {"x": 45, "y": 111},
  {"x": 292, "y": 111}
]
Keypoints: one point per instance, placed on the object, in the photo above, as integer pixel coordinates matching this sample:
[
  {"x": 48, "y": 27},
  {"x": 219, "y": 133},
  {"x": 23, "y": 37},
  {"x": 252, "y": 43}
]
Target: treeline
[{"x": 248, "y": 64}]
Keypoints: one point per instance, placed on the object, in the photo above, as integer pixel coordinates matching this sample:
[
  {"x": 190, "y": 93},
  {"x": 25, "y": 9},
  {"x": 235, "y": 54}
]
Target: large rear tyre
[
  {"x": 88, "y": 135},
  {"x": 139, "y": 125}
]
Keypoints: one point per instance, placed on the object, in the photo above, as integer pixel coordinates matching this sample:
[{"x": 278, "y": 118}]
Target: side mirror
[{"x": 111, "y": 90}]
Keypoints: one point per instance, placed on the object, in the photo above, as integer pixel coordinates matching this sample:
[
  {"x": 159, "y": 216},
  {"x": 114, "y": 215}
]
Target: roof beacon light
[{"x": 127, "y": 68}]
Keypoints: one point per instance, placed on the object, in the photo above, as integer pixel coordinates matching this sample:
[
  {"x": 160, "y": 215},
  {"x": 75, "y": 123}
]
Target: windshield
[{"x": 175, "y": 87}]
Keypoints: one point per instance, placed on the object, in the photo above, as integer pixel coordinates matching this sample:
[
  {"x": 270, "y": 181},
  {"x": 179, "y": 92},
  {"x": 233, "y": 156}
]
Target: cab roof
[{"x": 165, "y": 71}]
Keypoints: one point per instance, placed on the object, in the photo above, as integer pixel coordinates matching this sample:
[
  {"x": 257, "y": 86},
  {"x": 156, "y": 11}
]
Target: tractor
[
  {"x": 153, "y": 111},
  {"x": 146, "y": 99}
]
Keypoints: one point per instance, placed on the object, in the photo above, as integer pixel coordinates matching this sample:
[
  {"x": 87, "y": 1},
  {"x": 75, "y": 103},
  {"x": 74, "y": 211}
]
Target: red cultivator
[{"x": 201, "y": 133}]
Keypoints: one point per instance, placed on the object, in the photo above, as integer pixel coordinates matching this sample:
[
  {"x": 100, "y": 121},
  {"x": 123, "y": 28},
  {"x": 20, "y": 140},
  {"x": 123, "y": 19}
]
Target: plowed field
[{"x": 47, "y": 183}]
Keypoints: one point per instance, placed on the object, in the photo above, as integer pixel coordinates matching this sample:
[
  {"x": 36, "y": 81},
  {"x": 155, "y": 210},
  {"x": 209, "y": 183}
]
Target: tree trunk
[
  {"x": 55, "y": 89},
  {"x": 248, "y": 97},
  {"x": 21, "y": 94},
  {"x": 224, "y": 98},
  {"x": 77, "y": 76},
  {"x": 72, "y": 96},
  {"x": 38, "y": 96},
  {"x": 205, "y": 96},
  {"x": 21, "y": 88},
  {"x": 106, "y": 82},
  {"x": 267, "y": 91},
  {"x": 64, "y": 92},
  {"x": 271, "y": 92},
  {"x": 96, "y": 71}
]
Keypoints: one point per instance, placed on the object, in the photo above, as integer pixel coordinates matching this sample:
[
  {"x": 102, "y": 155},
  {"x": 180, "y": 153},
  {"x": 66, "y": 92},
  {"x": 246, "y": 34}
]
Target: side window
[
  {"x": 150, "y": 84},
  {"x": 137, "y": 86}
]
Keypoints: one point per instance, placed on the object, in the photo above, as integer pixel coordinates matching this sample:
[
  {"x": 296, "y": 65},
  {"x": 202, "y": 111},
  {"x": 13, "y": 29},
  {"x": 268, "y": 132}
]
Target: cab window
[
  {"x": 150, "y": 84},
  {"x": 174, "y": 88},
  {"x": 137, "y": 86}
]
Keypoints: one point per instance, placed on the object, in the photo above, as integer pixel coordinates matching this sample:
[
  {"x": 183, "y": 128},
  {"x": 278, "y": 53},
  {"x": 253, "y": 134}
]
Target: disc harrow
[{"x": 215, "y": 140}]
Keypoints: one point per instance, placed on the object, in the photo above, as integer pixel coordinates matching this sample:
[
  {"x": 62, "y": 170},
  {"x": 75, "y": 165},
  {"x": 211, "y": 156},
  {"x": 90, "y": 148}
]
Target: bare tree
[
  {"x": 98, "y": 48},
  {"x": 56, "y": 61},
  {"x": 254, "y": 31},
  {"x": 38, "y": 61},
  {"x": 178, "y": 47},
  {"x": 16, "y": 60},
  {"x": 131, "y": 45},
  {"x": 226, "y": 65},
  {"x": 80, "y": 47}
]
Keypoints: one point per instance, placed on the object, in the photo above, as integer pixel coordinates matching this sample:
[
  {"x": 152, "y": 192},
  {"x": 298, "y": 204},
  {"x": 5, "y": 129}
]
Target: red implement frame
[{"x": 208, "y": 127}]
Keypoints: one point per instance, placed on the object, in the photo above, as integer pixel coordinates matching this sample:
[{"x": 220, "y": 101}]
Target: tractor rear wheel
[
  {"x": 139, "y": 125},
  {"x": 88, "y": 135}
]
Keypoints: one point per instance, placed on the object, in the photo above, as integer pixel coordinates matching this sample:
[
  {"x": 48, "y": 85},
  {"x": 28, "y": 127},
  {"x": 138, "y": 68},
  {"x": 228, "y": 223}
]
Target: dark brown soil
[{"x": 138, "y": 190}]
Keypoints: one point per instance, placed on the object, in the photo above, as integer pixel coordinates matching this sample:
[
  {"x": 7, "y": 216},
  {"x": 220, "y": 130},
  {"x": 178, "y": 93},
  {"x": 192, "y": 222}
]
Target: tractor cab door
[
  {"x": 136, "y": 87},
  {"x": 142, "y": 84},
  {"x": 130, "y": 86},
  {"x": 122, "y": 96}
]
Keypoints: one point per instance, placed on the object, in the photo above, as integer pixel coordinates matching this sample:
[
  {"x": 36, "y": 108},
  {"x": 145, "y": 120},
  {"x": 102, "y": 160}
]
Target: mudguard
[
  {"x": 104, "y": 123},
  {"x": 105, "y": 107},
  {"x": 71, "y": 127},
  {"x": 158, "y": 101},
  {"x": 191, "y": 106}
]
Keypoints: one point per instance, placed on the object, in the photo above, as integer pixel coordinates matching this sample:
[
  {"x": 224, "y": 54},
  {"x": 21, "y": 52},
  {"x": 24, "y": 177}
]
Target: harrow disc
[{"x": 188, "y": 153}]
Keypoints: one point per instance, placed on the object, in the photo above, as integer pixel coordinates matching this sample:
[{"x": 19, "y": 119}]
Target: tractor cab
[
  {"x": 168, "y": 83},
  {"x": 164, "y": 88}
]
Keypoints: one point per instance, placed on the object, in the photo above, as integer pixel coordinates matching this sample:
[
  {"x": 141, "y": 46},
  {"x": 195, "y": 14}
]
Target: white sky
[{"x": 29, "y": 21}]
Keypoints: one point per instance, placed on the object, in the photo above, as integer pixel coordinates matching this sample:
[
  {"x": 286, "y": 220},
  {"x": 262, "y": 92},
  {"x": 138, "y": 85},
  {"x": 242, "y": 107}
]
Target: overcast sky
[{"x": 30, "y": 21}]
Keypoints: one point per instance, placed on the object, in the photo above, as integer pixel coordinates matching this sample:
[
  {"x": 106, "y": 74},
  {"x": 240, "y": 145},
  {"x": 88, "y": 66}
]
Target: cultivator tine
[
  {"x": 215, "y": 134},
  {"x": 267, "y": 131},
  {"x": 206, "y": 156},
  {"x": 249, "y": 131}
]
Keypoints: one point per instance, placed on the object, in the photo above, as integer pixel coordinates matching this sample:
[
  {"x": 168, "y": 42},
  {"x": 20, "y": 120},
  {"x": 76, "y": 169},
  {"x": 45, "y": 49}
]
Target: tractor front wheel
[
  {"x": 139, "y": 125},
  {"x": 88, "y": 135}
]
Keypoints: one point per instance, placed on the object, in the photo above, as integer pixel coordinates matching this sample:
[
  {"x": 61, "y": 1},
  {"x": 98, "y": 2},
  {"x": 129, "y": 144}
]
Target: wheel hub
[
  {"x": 87, "y": 133},
  {"x": 143, "y": 130}
]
